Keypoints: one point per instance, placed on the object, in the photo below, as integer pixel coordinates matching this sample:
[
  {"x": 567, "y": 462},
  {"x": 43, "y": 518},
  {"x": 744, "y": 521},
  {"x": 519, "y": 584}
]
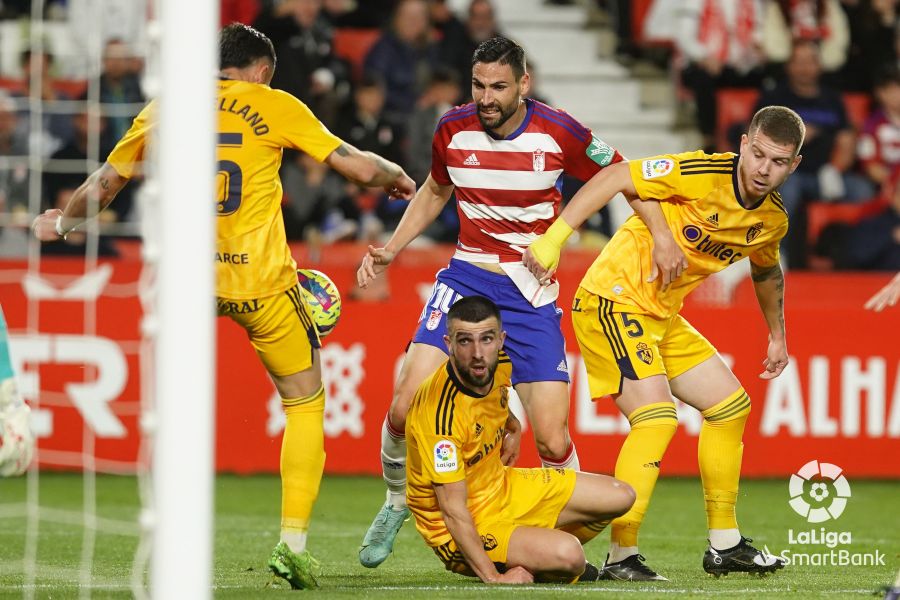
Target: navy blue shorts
[{"x": 534, "y": 341}]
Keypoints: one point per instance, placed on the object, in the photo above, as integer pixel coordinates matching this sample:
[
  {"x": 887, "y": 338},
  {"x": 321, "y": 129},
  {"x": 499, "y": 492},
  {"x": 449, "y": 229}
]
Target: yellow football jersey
[
  {"x": 255, "y": 124},
  {"x": 698, "y": 194},
  {"x": 452, "y": 434}
]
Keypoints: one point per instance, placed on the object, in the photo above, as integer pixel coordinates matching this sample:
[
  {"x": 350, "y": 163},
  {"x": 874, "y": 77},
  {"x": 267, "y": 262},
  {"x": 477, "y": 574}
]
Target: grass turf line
[{"x": 673, "y": 540}]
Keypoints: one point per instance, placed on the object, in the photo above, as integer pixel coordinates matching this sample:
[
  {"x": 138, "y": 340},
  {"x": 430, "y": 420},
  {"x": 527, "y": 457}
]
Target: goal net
[{"x": 112, "y": 356}]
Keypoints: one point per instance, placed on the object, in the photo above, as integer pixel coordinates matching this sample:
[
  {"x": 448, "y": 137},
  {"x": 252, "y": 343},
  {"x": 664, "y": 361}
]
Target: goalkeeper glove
[{"x": 546, "y": 249}]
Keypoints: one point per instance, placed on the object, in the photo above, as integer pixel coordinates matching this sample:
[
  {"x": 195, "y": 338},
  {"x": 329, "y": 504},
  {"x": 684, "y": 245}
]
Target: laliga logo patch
[
  {"x": 538, "y": 161},
  {"x": 434, "y": 319},
  {"x": 657, "y": 167},
  {"x": 445, "y": 457},
  {"x": 819, "y": 491},
  {"x": 754, "y": 231},
  {"x": 644, "y": 353}
]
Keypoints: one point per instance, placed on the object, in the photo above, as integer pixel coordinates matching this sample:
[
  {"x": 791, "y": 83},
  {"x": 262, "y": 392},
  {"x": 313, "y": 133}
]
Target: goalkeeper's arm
[
  {"x": 101, "y": 187},
  {"x": 542, "y": 256}
]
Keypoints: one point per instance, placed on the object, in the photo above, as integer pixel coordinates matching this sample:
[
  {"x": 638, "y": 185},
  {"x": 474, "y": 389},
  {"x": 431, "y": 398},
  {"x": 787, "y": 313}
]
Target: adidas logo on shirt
[
  {"x": 713, "y": 220},
  {"x": 562, "y": 367},
  {"x": 471, "y": 160}
]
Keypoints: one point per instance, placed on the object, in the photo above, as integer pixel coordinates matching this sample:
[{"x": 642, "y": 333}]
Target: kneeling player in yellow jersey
[
  {"x": 721, "y": 208},
  {"x": 480, "y": 516},
  {"x": 256, "y": 276}
]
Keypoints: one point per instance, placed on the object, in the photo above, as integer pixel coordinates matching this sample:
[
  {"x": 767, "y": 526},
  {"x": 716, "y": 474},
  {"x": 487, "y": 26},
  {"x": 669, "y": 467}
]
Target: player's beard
[
  {"x": 506, "y": 112},
  {"x": 471, "y": 379}
]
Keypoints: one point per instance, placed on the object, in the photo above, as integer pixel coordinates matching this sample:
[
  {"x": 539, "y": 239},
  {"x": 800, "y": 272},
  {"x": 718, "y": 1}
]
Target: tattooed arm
[
  {"x": 768, "y": 282},
  {"x": 370, "y": 170},
  {"x": 101, "y": 187}
]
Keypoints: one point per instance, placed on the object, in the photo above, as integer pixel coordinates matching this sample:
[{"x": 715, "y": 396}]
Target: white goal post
[{"x": 183, "y": 416}]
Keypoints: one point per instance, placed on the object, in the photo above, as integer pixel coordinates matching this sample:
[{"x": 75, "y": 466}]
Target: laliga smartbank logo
[{"x": 819, "y": 492}]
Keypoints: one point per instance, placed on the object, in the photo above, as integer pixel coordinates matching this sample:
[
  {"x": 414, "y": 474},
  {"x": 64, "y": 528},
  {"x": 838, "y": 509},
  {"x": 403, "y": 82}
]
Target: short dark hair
[
  {"x": 781, "y": 124},
  {"x": 501, "y": 50},
  {"x": 473, "y": 309},
  {"x": 241, "y": 45}
]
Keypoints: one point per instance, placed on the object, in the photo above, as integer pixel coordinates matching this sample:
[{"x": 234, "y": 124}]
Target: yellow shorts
[
  {"x": 279, "y": 327},
  {"x": 616, "y": 344},
  {"x": 535, "y": 497}
]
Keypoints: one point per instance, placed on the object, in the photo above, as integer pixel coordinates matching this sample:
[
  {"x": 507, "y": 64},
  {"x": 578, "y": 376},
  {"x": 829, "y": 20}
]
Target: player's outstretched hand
[
  {"x": 44, "y": 225},
  {"x": 374, "y": 262},
  {"x": 402, "y": 188},
  {"x": 512, "y": 440},
  {"x": 516, "y": 575},
  {"x": 776, "y": 359},
  {"x": 886, "y": 296},
  {"x": 669, "y": 262}
]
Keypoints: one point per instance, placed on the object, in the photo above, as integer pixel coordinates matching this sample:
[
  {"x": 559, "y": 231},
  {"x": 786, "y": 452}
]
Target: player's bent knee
[
  {"x": 622, "y": 498},
  {"x": 553, "y": 446},
  {"x": 570, "y": 556}
]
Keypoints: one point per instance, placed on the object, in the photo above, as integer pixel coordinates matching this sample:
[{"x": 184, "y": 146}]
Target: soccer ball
[{"x": 323, "y": 299}]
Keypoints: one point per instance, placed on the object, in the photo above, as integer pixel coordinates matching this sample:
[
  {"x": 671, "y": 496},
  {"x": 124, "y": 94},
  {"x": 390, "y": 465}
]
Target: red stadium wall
[{"x": 839, "y": 402}]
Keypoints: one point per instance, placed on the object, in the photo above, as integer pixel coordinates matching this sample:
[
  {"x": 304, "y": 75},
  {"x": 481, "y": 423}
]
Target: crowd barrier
[{"x": 838, "y": 401}]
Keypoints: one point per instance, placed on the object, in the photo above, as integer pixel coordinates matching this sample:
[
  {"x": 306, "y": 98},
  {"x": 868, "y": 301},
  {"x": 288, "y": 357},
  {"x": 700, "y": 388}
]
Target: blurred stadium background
[{"x": 647, "y": 76}]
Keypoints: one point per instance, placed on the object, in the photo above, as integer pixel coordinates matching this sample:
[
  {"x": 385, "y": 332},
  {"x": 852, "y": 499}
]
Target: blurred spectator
[
  {"x": 719, "y": 40},
  {"x": 362, "y": 14},
  {"x": 119, "y": 85},
  {"x": 13, "y": 179},
  {"x": 365, "y": 126},
  {"x": 458, "y": 44},
  {"x": 307, "y": 66},
  {"x": 445, "y": 22},
  {"x": 439, "y": 97},
  {"x": 64, "y": 173},
  {"x": 821, "y": 21},
  {"x": 318, "y": 203},
  {"x": 404, "y": 57},
  {"x": 879, "y": 143},
  {"x": 872, "y": 24},
  {"x": 825, "y": 173},
  {"x": 56, "y": 130},
  {"x": 871, "y": 244}
]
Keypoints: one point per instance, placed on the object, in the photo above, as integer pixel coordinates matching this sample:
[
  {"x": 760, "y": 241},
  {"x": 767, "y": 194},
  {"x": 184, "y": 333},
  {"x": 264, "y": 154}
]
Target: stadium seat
[
  {"x": 72, "y": 88},
  {"x": 735, "y": 107},
  {"x": 821, "y": 214},
  {"x": 353, "y": 44},
  {"x": 858, "y": 108}
]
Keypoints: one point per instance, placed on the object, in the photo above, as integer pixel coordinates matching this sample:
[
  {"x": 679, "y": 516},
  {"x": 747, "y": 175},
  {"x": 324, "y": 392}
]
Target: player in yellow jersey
[
  {"x": 256, "y": 277},
  {"x": 480, "y": 516},
  {"x": 721, "y": 208}
]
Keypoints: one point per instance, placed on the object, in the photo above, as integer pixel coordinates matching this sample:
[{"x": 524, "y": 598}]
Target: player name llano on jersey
[
  {"x": 233, "y": 259},
  {"x": 257, "y": 124}
]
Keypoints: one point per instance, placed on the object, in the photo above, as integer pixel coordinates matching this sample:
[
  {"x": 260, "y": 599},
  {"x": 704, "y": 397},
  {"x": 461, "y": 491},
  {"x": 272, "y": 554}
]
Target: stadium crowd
[{"x": 380, "y": 73}]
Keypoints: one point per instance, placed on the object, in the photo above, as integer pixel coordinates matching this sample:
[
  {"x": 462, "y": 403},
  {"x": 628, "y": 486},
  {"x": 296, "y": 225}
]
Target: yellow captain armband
[{"x": 546, "y": 249}]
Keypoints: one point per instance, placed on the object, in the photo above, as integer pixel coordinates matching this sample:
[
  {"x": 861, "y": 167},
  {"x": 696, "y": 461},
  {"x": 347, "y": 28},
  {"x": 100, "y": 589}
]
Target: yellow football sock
[
  {"x": 719, "y": 453},
  {"x": 585, "y": 532},
  {"x": 652, "y": 428},
  {"x": 302, "y": 462}
]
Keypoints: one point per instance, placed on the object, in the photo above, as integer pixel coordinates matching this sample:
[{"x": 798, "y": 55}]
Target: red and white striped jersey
[{"x": 508, "y": 191}]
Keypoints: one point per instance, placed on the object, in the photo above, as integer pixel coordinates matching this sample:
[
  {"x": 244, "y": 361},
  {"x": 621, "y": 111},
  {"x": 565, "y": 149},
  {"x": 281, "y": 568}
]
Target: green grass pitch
[{"x": 673, "y": 539}]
